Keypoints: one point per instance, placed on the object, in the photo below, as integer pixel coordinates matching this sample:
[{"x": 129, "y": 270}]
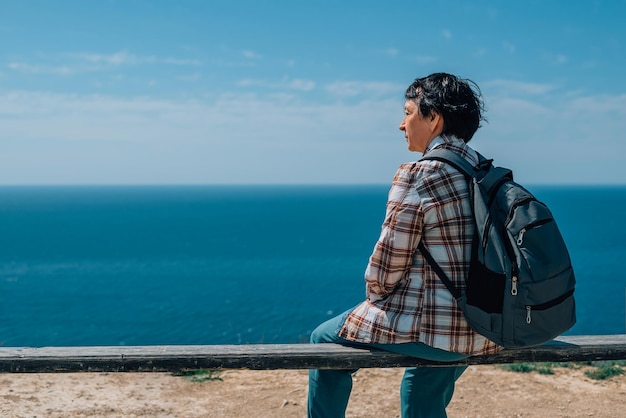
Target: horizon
[{"x": 290, "y": 185}]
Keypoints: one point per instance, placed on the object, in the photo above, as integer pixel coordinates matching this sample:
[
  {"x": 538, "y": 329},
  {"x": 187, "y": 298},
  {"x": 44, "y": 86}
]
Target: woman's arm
[{"x": 400, "y": 234}]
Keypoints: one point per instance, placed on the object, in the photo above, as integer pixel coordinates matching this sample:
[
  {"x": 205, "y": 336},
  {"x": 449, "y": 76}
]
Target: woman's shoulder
[
  {"x": 430, "y": 178},
  {"x": 406, "y": 173},
  {"x": 414, "y": 171}
]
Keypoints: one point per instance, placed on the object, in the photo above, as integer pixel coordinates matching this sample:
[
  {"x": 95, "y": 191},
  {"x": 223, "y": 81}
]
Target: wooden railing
[{"x": 174, "y": 358}]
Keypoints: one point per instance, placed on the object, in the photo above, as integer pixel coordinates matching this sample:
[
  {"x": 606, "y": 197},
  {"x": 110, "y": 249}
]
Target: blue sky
[{"x": 205, "y": 92}]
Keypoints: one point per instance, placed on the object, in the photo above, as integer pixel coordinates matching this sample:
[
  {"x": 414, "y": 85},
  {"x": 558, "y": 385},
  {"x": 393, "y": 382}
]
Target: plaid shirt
[{"x": 406, "y": 300}]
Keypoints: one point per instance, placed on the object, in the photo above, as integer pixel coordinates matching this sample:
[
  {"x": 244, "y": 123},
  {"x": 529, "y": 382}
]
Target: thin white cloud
[
  {"x": 118, "y": 58},
  {"x": 492, "y": 13},
  {"x": 285, "y": 83},
  {"x": 425, "y": 59},
  {"x": 247, "y": 82},
  {"x": 447, "y": 34},
  {"x": 479, "y": 53},
  {"x": 300, "y": 84},
  {"x": 251, "y": 55},
  {"x": 346, "y": 89},
  {"x": 513, "y": 88},
  {"x": 121, "y": 58},
  {"x": 181, "y": 62},
  {"x": 589, "y": 65},
  {"x": 509, "y": 47},
  {"x": 392, "y": 52},
  {"x": 555, "y": 58},
  {"x": 561, "y": 59},
  {"x": 22, "y": 67},
  {"x": 76, "y": 63},
  {"x": 190, "y": 78}
]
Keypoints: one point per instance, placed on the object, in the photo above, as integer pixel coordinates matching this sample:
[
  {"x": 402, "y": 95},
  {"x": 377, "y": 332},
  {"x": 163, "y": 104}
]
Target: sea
[{"x": 151, "y": 265}]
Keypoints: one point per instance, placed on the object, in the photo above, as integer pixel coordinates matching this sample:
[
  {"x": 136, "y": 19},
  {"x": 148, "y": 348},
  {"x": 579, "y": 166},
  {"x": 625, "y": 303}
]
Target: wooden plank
[{"x": 175, "y": 358}]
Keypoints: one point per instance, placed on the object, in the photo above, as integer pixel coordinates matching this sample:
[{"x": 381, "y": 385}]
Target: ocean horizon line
[{"x": 286, "y": 185}]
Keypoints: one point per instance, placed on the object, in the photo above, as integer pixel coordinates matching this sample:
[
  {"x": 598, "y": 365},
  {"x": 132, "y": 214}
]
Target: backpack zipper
[
  {"x": 514, "y": 285},
  {"x": 520, "y": 237},
  {"x": 515, "y": 205},
  {"x": 546, "y": 305},
  {"x": 486, "y": 232}
]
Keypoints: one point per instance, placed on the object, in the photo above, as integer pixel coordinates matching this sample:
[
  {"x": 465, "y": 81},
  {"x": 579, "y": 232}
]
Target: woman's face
[{"x": 419, "y": 130}]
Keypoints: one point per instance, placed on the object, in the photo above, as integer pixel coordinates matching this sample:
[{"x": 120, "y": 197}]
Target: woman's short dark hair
[{"x": 457, "y": 100}]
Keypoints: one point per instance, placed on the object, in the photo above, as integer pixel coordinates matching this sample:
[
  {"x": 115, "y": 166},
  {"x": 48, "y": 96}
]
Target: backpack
[{"x": 520, "y": 287}]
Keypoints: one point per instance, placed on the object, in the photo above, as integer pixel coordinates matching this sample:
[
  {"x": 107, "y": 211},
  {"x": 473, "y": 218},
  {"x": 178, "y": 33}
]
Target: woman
[{"x": 408, "y": 309}]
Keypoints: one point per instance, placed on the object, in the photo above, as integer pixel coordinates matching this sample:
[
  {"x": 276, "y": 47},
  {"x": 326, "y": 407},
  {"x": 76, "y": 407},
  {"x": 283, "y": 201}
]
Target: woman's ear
[{"x": 436, "y": 123}]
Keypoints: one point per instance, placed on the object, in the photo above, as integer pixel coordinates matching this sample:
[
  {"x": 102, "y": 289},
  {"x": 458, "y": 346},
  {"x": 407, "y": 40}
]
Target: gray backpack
[{"x": 520, "y": 288}]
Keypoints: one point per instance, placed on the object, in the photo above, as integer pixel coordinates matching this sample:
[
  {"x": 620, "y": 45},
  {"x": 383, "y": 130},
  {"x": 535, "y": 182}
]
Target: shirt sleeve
[{"x": 400, "y": 234}]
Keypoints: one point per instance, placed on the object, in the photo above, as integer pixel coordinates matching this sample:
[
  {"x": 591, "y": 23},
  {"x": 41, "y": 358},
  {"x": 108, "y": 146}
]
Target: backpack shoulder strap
[
  {"x": 488, "y": 176},
  {"x": 460, "y": 163},
  {"x": 456, "y": 293},
  {"x": 455, "y": 160},
  {"x": 494, "y": 178}
]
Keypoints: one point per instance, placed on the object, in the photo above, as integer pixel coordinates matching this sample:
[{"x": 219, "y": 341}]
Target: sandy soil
[{"x": 483, "y": 391}]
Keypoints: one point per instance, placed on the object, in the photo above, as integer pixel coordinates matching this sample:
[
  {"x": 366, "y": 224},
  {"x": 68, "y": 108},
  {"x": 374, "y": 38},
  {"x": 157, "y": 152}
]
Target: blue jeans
[{"x": 425, "y": 391}]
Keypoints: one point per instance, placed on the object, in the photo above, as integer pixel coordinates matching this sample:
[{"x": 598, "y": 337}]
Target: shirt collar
[{"x": 441, "y": 139}]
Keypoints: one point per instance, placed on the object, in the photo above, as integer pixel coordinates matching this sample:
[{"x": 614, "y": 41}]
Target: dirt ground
[{"x": 483, "y": 391}]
